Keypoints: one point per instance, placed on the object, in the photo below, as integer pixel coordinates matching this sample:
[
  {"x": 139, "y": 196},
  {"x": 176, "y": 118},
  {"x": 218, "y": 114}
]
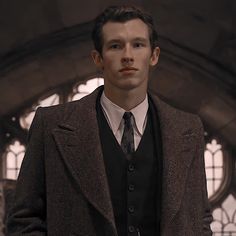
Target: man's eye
[
  {"x": 115, "y": 46},
  {"x": 138, "y": 45}
]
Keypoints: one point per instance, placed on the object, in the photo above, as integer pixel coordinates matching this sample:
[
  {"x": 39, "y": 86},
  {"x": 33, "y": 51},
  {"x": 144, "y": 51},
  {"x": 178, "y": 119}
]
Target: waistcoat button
[
  {"x": 131, "y": 187},
  {"x": 131, "y": 167},
  {"x": 131, "y": 229},
  {"x": 131, "y": 209}
]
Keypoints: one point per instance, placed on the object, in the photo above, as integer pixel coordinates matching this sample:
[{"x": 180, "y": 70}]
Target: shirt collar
[
  {"x": 114, "y": 114},
  {"x": 140, "y": 112}
]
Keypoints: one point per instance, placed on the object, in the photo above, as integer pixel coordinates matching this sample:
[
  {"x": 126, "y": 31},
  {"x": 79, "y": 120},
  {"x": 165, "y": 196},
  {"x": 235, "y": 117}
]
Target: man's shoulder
[
  {"x": 85, "y": 102},
  {"x": 58, "y": 111},
  {"x": 54, "y": 115},
  {"x": 59, "y": 108},
  {"x": 174, "y": 115}
]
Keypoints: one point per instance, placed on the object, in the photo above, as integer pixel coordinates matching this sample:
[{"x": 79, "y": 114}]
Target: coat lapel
[
  {"x": 77, "y": 138},
  {"x": 178, "y": 152}
]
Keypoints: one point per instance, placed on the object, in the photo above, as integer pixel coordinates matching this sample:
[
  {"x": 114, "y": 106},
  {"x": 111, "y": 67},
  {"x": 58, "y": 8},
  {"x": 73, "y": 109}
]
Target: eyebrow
[
  {"x": 114, "y": 41},
  {"x": 120, "y": 40},
  {"x": 140, "y": 39}
]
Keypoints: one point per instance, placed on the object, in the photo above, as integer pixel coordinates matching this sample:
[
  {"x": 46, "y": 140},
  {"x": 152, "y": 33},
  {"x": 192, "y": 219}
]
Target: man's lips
[{"x": 128, "y": 69}]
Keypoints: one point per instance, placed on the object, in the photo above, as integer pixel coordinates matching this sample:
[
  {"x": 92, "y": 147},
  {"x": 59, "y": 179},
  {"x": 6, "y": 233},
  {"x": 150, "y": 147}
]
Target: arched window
[
  {"x": 13, "y": 157},
  {"x": 214, "y": 166},
  {"x": 218, "y": 174}
]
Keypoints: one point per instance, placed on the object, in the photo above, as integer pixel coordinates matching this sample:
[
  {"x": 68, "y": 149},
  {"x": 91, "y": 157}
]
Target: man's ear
[
  {"x": 97, "y": 58},
  {"x": 155, "y": 56}
]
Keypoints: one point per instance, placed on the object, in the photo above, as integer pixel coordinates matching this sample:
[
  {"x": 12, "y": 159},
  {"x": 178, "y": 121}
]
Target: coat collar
[{"x": 78, "y": 140}]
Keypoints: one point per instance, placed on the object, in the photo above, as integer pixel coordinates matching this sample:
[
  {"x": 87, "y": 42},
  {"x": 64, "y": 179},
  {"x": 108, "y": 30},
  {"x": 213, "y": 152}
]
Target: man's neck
[{"x": 127, "y": 99}]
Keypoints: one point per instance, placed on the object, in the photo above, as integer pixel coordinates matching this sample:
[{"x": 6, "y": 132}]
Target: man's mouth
[{"x": 128, "y": 69}]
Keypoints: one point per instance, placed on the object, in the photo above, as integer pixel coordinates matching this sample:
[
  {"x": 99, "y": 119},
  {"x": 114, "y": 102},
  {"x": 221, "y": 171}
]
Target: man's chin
[{"x": 130, "y": 85}]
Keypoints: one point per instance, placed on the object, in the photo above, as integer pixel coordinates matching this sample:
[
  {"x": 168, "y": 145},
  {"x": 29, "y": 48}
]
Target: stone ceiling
[{"x": 46, "y": 43}]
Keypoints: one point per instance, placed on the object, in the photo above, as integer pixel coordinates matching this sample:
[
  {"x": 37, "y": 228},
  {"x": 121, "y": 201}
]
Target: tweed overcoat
[{"x": 62, "y": 187}]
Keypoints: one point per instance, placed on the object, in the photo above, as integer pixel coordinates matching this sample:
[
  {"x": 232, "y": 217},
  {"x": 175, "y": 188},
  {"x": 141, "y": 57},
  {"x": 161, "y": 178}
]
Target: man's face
[{"x": 126, "y": 55}]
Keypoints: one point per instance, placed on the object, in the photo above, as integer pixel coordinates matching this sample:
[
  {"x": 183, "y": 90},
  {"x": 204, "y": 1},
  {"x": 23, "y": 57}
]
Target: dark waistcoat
[{"x": 135, "y": 185}]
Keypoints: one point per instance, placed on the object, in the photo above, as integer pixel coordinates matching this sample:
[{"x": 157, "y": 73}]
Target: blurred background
[{"x": 45, "y": 60}]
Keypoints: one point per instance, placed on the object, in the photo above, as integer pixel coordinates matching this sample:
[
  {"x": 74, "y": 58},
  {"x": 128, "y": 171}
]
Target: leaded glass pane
[
  {"x": 209, "y": 173},
  {"x": 11, "y": 174},
  {"x": 208, "y": 159},
  {"x": 11, "y": 160},
  {"x": 219, "y": 173},
  {"x": 217, "y": 226},
  {"x": 217, "y": 234},
  {"x": 218, "y": 158},
  {"x": 209, "y": 186},
  {"x": 213, "y": 146}
]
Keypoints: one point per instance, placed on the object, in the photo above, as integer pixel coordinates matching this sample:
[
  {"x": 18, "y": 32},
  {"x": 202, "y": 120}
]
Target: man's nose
[{"x": 127, "y": 56}]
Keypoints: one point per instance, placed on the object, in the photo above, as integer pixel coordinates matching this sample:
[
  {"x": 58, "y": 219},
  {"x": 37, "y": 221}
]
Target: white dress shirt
[{"x": 114, "y": 116}]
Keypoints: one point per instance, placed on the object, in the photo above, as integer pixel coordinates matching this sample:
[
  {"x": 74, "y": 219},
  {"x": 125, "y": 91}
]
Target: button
[
  {"x": 131, "y": 187},
  {"x": 131, "y": 229},
  {"x": 131, "y": 209},
  {"x": 131, "y": 167}
]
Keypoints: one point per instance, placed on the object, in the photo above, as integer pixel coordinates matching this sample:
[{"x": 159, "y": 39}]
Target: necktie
[{"x": 127, "y": 141}]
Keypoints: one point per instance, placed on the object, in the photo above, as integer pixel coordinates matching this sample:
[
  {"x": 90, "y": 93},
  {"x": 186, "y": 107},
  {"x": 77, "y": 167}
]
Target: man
[{"x": 119, "y": 161}]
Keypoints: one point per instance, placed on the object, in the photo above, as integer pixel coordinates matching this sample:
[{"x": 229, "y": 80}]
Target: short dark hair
[{"x": 122, "y": 14}]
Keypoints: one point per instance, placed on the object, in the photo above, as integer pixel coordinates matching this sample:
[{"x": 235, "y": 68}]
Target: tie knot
[{"x": 127, "y": 116}]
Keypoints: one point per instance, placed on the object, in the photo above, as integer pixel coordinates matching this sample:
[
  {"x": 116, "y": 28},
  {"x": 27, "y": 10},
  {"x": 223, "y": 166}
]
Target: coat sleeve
[
  {"x": 207, "y": 215},
  {"x": 27, "y": 215}
]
